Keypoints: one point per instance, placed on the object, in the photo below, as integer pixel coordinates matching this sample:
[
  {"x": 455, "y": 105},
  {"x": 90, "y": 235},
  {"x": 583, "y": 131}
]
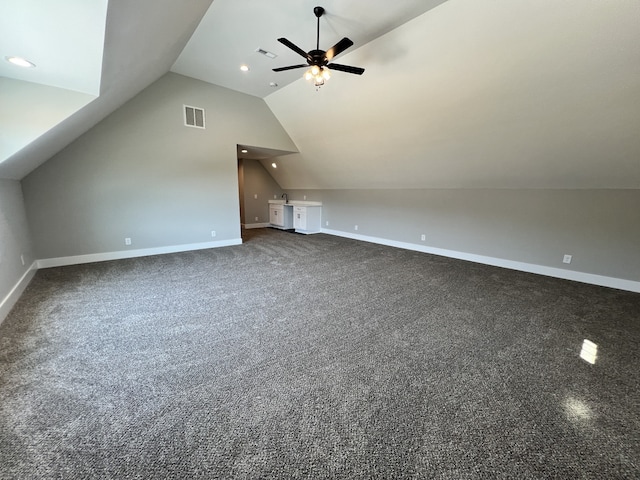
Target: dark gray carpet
[{"x": 316, "y": 357}]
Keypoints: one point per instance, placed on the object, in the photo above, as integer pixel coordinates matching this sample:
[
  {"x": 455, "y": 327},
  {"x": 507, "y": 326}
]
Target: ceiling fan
[{"x": 318, "y": 59}]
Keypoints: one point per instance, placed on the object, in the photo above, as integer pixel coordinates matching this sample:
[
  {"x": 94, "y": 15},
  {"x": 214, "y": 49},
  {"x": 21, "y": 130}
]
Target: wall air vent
[
  {"x": 193, "y": 116},
  {"x": 266, "y": 53}
]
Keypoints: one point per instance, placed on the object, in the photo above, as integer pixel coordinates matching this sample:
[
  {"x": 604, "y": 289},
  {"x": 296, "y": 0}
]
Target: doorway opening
[{"x": 257, "y": 184}]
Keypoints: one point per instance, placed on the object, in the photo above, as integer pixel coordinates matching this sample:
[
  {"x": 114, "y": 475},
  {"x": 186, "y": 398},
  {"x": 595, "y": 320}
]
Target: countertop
[{"x": 297, "y": 203}]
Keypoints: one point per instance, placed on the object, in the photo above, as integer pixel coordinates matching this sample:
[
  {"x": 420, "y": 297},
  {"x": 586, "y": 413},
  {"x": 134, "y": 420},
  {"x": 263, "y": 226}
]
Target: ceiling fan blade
[
  {"x": 338, "y": 48},
  {"x": 293, "y": 47},
  {"x": 346, "y": 68},
  {"x": 290, "y": 67}
]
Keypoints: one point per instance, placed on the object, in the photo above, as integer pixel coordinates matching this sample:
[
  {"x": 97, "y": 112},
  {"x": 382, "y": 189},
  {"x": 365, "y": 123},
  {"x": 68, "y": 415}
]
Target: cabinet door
[
  {"x": 300, "y": 218},
  {"x": 276, "y": 217}
]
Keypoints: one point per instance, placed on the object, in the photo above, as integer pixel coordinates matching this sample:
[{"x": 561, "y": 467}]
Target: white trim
[
  {"x": 12, "y": 297},
  {"x": 601, "y": 280},
  {"x": 249, "y": 226},
  {"x": 101, "y": 257}
]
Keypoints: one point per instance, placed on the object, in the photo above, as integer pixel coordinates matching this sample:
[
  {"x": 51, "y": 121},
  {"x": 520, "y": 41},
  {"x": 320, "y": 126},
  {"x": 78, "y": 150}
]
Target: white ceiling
[
  {"x": 456, "y": 94},
  {"x": 478, "y": 94},
  {"x": 230, "y": 33},
  {"x": 115, "y": 48},
  {"x": 64, "y": 39},
  {"x": 141, "y": 39}
]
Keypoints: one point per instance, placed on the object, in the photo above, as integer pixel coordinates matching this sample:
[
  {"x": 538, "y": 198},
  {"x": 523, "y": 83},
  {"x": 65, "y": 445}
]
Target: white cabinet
[
  {"x": 301, "y": 216},
  {"x": 276, "y": 217},
  {"x": 281, "y": 216},
  {"x": 306, "y": 219}
]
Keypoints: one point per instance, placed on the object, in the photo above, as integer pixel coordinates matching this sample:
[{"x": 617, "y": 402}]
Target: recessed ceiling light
[
  {"x": 266, "y": 53},
  {"x": 19, "y": 61},
  {"x": 274, "y": 165},
  {"x": 244, "y": 68}
]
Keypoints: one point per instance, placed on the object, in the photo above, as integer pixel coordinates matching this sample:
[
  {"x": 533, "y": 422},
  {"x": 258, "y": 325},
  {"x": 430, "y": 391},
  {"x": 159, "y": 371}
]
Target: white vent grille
[
  {"x": 193, "y": 116},
  {"x": 266, "y": 53}
]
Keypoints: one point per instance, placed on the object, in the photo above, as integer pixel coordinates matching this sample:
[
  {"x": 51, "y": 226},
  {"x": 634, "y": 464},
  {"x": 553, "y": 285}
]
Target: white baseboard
[
  {"x": 12, "y": 297},
  {"x": 600, "y": 280},
  {"x": 101, "y": 257},
  {"x": 255, "y": 225}
]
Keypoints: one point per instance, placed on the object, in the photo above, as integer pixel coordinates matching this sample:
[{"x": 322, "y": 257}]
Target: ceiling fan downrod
[{"x": 318, "y": 11}]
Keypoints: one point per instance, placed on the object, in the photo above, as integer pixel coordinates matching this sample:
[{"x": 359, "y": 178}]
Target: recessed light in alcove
[{"x": 20, "y": 62}]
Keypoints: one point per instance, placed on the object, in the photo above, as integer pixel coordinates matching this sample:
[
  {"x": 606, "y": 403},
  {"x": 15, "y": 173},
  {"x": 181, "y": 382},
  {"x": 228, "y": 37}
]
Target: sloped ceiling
[
  {"x": 63, "y": 39},
  {"x": 477, "y": 94},
  {"x": 230, "y": 33},
  {"x": 139, "y": 42},
  {"x": 462, "y": 93},
  {"x": 67, "y": 71}
]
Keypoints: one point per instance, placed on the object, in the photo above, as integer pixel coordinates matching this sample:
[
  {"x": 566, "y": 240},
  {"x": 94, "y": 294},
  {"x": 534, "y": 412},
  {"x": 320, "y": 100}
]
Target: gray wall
[
  {"x": 600, "y": 228},
  {"x": 140, "y": 173},
  {"x": 259, "y": 187},
  {"x": 14, "y": 238}
]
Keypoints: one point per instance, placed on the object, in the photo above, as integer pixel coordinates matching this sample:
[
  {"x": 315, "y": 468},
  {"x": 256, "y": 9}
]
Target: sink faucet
[{"x": 286, "y": 197}]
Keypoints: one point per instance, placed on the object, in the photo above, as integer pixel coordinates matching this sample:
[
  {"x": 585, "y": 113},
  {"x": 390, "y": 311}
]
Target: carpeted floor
[{"x": 316, "y": 357}]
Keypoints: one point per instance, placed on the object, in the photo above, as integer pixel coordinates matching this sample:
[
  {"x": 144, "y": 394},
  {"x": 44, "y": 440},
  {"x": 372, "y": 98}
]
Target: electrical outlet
[
  {"x": 356, "y": 227},
  {"x": 326, "y": 224},
  {"x": 567, "y": 259},
  {"x": 255, "y": 195},
  {"x": 213, "y": 233},
  {"x": 423, "y": 237},
  {"x": 127, "y": 241},
  {"x": 304, "y": 197},
  {"x": 256, "y": 219},
  {"x": 275, "y": 196}
]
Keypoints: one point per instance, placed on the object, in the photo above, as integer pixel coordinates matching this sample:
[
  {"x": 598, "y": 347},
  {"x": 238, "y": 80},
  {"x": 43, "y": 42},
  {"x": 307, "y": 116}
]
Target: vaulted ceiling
[
  {"x": 140, "y": 42},
  {"x": 456, "y": 94}
]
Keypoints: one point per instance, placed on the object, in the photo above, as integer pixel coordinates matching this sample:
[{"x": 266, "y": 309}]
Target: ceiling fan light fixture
[{"x": 318, "y": 59}]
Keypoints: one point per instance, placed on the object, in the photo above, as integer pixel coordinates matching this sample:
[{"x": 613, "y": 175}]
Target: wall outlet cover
[{"x": 567, "y": 259}]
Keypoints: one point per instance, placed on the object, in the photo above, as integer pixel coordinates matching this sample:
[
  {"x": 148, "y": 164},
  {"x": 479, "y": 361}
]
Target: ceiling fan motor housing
[{"x": 318, "y": 57}]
